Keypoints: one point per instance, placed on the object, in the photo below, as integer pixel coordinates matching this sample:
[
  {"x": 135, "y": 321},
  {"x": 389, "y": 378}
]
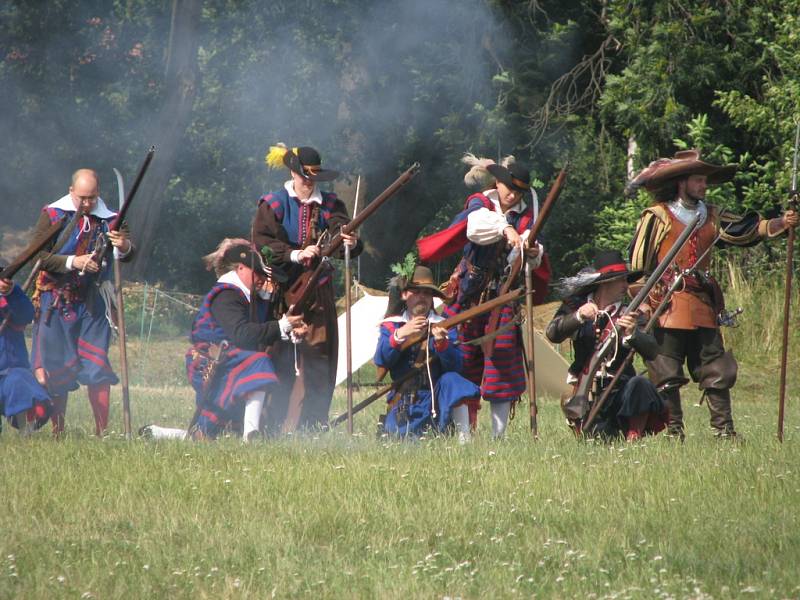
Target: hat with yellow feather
[{"x": 303, "y": 160}]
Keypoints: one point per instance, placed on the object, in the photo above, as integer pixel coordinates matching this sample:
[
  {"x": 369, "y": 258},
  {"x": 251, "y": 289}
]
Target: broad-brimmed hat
[
  {"x": 514, "y": 176},
  {"x": 303, "y": 160},
  {"x": 249, "y": 257},
  {"x": 684, "y": 164},
  {"x": 608, "y": 265},
  {"x": 423, "y": 280}
]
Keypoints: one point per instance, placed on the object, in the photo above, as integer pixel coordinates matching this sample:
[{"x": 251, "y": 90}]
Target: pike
[
  {"x": 662, "y": 306},
  {"x": 299, "y": 294},
  {"x": 348, "y": 322},
  {"x": 416, "y": 338},
  {"x": 121, "y": 335},
  {"x": 579, "y": 403},
  {"x": 552, "y": 196},
  {"x": 787, "y": 297}
]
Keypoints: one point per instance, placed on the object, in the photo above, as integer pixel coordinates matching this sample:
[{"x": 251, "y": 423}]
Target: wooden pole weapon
[
  {"x": 121, "y": 333},
  {"x": 787, "y": 297},
  {"x": 348, "y": 321},
  {"x": 534, "y": 409}
]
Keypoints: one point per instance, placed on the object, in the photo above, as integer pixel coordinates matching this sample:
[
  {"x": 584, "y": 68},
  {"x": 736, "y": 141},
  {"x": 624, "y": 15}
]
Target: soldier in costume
[
  {"x": 292, "y": 223},
  {"x": 591, "y": 311},
  {"x": 72, "y": 330},
  {"x": 431, "y": 399},
  {"x": 491, "y": 230},
  {"x": 23, "y": 401},
  {"x": 227, "y": 364},
  {"x": 689, "y": 331}
]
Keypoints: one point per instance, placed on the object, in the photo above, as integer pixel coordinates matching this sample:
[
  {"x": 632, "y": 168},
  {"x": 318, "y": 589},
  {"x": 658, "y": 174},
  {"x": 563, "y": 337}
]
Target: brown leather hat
[
  {"x": 423, "y": 280},
  {"x": 685, "y": 163}
]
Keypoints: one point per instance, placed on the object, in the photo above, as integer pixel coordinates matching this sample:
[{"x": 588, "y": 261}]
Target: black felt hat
[
  {"x": 608, "y": 265},
  {"x": 306, "y": 162},
  {"x": 249, "y": 257},
  {"x": 515, "y": 176}
]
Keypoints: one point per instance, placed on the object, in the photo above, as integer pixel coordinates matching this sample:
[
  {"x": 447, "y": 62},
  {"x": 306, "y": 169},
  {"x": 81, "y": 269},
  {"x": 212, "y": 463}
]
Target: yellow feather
[{"x": 274, "y": 158}]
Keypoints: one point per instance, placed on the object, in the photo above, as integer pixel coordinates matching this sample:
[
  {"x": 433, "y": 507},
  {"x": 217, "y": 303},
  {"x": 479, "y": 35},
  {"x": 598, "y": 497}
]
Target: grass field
[{"x": 332, "y": 516}]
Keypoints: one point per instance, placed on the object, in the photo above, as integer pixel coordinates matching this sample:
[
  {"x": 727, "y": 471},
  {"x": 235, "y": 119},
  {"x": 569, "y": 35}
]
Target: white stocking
[
  {"x": 461, "y": 419},
  {"x": 500, "y": 412},
  {"x": 253, "y": 403}
]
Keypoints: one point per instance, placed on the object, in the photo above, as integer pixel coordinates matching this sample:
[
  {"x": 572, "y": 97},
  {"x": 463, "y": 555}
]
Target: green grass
[{"x": 332, "y": 516}]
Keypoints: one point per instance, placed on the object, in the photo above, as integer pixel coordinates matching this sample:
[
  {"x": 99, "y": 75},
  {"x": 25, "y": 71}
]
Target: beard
[{"x": 420, "y": 310}]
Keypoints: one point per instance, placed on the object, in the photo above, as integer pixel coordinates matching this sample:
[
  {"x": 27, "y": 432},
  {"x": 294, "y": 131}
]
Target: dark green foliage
[{"x": 377, "y": 85}]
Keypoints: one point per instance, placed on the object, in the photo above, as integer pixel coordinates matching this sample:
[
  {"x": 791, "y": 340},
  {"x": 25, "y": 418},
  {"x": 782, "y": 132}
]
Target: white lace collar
[
  {"x": 100, "y": 209},
  {"x": 316, "y": 195},
  {"x": 232, "y": 278}
]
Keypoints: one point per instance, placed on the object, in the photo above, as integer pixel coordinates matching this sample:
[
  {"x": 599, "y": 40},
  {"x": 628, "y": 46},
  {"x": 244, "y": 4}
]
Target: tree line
[{"x": 375, "y": 85}]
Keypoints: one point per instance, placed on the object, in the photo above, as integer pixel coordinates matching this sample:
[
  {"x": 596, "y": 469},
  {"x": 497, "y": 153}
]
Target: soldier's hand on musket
[
  {"x": 414, "y": 326},
  {"x": 533, "y": 250},
  {"x": 791, "y": 218},
  {"x": 5, "y": 286},
  {"x": 588, "y": 312},
  {"x": 627, "y": 323},
  {"x": 512, "y": 236},
  {"x": 119, "y": 239},
  {"x": 350, "y": 239},
  {"x": 309, "y": 253},
  {"x": 439, "y": 333},
  {"x": 84, "y": 262}
]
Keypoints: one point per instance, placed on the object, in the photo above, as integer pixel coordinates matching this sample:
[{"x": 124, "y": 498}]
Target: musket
[
  {"x": 32, "y": 250},
  {"x": 103, "y": 244},
  {"x": 453, "y": 321},
  {"x": 787, "y": 297},
  {"x": 580, "y": 401},
  {"x": 348, "y": 324},
  {"x": 299, "y": 294},
  {"x": 654, "y": 317},
  {"x": 516, "y": 267},
  {"x": 121, "y": 334}
]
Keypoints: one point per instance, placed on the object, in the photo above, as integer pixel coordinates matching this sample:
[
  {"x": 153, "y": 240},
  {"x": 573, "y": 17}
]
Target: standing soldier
[
  {"x": 73, "y": 298},
  {"x": 688, "y": 331},
  {"x": 292, "y": 223},
  {"x": 492, "y": 229}
]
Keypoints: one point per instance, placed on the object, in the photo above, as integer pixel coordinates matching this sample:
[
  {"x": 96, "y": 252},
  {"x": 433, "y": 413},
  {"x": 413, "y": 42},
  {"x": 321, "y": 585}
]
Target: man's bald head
[{"x": 84, "y": 190}]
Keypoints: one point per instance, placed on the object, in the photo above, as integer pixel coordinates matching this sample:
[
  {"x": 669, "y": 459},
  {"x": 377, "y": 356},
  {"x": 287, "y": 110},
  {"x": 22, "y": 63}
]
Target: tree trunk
[{"x": 181, "y": 75}]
